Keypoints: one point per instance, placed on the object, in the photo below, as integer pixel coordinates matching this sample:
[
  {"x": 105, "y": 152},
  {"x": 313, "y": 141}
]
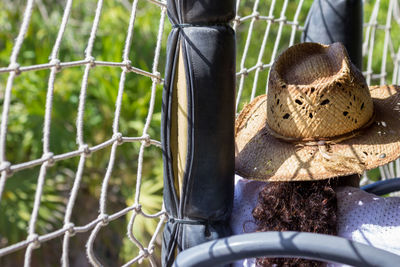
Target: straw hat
[{"x": 319, "y": 120}]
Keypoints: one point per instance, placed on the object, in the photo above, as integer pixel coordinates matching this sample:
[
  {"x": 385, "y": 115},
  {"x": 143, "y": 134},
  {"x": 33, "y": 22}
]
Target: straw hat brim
[{"x": 261, "y": 156}]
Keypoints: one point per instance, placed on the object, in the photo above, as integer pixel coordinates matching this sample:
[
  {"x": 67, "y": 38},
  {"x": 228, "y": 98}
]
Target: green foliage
[{"x": 26, "y": 118}]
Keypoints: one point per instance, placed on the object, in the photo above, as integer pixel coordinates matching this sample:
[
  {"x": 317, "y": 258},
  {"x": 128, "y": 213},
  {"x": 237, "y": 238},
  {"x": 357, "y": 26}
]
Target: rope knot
[
  {"x": 151, "y": 249},
  {"x": 118, "y": 138},
  {"x": 15, "y": 67},
  {"x": 145, "y": 252},
  {"x": 237, "y": 20},
  {"x": 49, "y": 158},
  {"x": 104, "y": 219},
  {"x": 91, "y": 61},
  {"x": 256, "y": 15},
  {"x": 86, "y": 150},
  {"x": 245, "y": 72},
  {"x": 34, "y": 240},
  {"x": 157, "y": 79},
  {"x": 70, "y": 227},
  {"x": 137, "y": 208},
  {"x": 128, "y": 65},
  {"x": 146, "y": 140},
  {"x": 6, "y": 166},
  {"x": 57, "y": 64}
]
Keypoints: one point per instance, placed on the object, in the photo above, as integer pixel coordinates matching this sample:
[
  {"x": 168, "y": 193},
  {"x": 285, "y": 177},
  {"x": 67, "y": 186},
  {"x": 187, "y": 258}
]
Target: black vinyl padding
[
  {"x": 331, "y": 21},
  {"x": 201, "y": 213}
]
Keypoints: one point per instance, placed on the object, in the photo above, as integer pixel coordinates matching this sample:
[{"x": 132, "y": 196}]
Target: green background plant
[{"x": 26, "y": 118}]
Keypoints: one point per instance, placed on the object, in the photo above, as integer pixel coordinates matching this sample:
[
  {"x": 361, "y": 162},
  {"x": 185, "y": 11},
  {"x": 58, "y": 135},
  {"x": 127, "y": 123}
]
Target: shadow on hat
[{"x": 319, "y": 120}]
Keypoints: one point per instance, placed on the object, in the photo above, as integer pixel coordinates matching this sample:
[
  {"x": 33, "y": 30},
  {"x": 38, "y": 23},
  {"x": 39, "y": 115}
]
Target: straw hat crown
[{"x": 316, "y": 92}]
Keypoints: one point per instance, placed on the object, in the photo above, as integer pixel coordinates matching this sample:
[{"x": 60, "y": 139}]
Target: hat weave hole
[{"x": 371, "y": 154}]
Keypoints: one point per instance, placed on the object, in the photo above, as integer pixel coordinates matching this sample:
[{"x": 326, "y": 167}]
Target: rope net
[
  {"x": 263, "y": 31},
  {"x": 83, "y": 150}
]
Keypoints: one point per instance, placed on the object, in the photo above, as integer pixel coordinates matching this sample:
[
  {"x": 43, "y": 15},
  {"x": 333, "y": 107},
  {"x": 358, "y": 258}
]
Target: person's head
[{"x": 319, "y": 120}]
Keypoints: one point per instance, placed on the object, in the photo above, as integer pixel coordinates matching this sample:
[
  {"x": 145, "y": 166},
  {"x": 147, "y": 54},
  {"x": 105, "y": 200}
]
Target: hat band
[{"x": 322, "y": 141}]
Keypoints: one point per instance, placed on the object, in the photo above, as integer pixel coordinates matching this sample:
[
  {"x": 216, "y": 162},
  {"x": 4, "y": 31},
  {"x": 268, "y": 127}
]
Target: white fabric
[{"x": 362, "y": 217}]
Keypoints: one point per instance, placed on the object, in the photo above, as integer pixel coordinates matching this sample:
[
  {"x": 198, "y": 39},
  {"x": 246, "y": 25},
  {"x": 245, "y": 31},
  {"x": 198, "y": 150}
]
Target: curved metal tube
[
  {"x": 383, "y": 187},
  {"x": 288, "y": 245}
]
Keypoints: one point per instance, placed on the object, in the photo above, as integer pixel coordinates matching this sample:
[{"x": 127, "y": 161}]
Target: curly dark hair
[{"x": 296, "y": 206}]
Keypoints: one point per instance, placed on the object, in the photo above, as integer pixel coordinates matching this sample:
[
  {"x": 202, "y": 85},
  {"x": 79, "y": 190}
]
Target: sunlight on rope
[{"x": 253, "y": 20}]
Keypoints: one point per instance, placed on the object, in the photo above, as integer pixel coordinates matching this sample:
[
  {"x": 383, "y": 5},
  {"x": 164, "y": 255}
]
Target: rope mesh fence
[
  {"x": 48, "y": 159},
  {"x": 264, "y": 29}
]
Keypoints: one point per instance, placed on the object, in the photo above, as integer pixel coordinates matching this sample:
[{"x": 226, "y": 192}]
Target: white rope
[
  {"x": 14, "y": 68},
  {"x": 68, "y": 212},
  {"x": 243, "y": 70},
  {"x": 79, "y": 127},
  {"x": 256, "y": 17},
  {"x": 295, "y": 25},
  {"x": 103, "y": 195},
  {"x": 397, "y": 163},
  {"x": 95, "y": 63},
  {"x": 262, "y": 49},
  {"x": 46, "y": 133},
  {"x": 145, "y": 143},
  {"x": 236, "y": 21},
  {"x": 75, "y": 229},
  {"x": 31, "y": 229},
  {"x": 371, "y": 41},
  {"x": 278, "y": 36},
  {"x": 42, "y": 174},
  {"x": 151, "y": 104},
  {"x": 48, "y": 159},
  {"x": 386, "y": 42}
]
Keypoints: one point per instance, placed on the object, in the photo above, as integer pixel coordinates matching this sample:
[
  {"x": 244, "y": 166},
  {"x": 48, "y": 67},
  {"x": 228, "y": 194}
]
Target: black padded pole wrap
[
  {"x": 330, "y": 21},
  {"x": 198, "y": 124}
]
